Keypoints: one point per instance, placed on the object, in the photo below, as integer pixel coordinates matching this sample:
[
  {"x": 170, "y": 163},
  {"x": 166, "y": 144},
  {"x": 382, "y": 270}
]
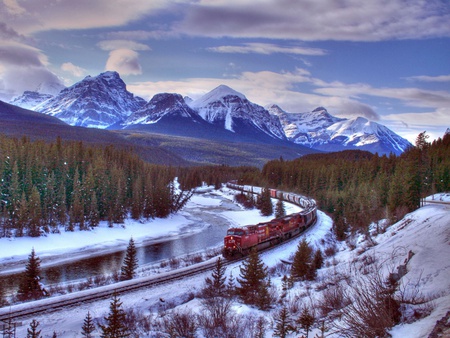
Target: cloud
[
  {"x": 267, "y": 48},
  {"x": 312, "y": 20},
  {"x": 426, "y": 78},
  {"x": 123, "y": 56},
  {"x": 22, "y": 68},
  {"x": 17, "y": 54},
  {"x": 122, "y": 44},
  {"x": 72, "y": 69},
  {"x": 42, "y": 15},
  {"x": 124, "y": 61},
  {"x": 13, "y": 7},
  {"x": 351, "y": 109}
]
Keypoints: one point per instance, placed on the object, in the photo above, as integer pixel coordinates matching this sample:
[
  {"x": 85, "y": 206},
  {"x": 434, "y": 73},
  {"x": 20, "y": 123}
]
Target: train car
[{"x": 239, "y": 241}]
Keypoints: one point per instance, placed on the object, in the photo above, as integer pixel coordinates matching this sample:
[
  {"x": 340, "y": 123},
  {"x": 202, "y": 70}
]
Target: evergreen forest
[{"x": 46, "y": 186}]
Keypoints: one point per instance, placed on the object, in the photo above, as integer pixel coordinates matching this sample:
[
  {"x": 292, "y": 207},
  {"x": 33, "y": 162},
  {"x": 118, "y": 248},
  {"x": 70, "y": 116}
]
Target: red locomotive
[{"x": 239, "y": 241}]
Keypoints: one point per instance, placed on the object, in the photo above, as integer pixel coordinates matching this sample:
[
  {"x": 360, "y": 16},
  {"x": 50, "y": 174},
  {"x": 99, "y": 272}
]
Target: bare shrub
[
  {"x": 372, "y": 309},
  {"x": 334, "y": 299},
  {"x": 174, "y": 263},
  {"x": 180, "y": 323},
  {"x": 330, "y": 250},
  {"x": 218, "y": 320}
]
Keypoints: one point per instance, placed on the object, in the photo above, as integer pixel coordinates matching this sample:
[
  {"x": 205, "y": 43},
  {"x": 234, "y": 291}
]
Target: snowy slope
[
  {"x": 161, "y": 105},
  {"x": 30, "y": 99},
  {"x": 96, "y": 102},
  {"x": 425, "y": 232},
  {"x": 230, "y": 109}
]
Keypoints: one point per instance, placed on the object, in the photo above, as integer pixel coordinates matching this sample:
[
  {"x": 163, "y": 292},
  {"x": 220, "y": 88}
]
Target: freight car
[{"x": 239, "y": 241}]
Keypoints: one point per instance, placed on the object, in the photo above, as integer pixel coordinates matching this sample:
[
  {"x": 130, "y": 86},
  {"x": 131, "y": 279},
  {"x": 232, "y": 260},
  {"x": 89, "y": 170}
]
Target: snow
[
  {"x": 425, "y": 232},
  {"x": 217, "y": 94}
]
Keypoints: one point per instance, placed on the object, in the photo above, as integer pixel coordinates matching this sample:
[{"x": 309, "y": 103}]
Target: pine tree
[
  {"x": 32, "y": 331},
  {"x": 280, "y": 211},
  {"x": 306, "y": 319},
  {"x": 88, "y": 326},
  {"x": 130, "y": 262},
  {"x": 115, "y": 321},
  {"x": 317, "y": 259},
  {"x": 29, "y": 287},
  {"x": 283, "y": 323},
  {"x": 34, "y": 213},
  {"x": 265, "y": 203},
  {"x": 302, "y": 260},
  {"x": 215, "y": 285},
  {"x": 253, "y": 273}
]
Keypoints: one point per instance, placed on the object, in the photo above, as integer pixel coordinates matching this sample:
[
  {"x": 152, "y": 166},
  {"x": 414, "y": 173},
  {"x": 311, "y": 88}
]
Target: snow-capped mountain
[
  {"x": 320, "y": 130},
  {"x": 96, "y": 102},
  {"x": 162, "y": 105},
  {"x": 30, "y": 99},
  {"x": 232, "y": 111},
  {"x": 222, "y": 114}
]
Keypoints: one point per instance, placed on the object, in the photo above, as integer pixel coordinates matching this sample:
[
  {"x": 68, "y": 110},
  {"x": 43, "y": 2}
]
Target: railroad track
[{"x": 74, "y": 299}]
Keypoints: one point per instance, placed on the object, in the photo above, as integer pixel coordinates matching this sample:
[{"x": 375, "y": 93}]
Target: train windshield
[{"x": 235, "y": 232}]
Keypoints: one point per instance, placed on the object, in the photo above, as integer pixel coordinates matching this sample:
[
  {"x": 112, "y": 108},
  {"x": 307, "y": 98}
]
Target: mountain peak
[
  {"x": 217, "y": 94},
  {"x": 96, "y": 101},
  {"x": 319, "y": 109}
]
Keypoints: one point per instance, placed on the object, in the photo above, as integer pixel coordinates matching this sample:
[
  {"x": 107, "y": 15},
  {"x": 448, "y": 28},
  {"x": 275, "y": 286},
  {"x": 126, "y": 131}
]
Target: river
[{"x": 213, "y": 228}]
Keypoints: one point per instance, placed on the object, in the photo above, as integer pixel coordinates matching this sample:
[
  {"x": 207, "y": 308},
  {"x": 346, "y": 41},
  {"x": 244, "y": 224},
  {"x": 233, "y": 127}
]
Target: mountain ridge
[{"x": 221, "y": 114}]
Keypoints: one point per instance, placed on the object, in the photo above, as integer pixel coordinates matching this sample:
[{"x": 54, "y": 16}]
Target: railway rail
[{"x": 53, "y": 304}]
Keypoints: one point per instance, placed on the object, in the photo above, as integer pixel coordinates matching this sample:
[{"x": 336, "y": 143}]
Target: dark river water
[{"x": 212, "y": 234}]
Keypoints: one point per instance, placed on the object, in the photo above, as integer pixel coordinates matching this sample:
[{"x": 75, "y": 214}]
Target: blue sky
[{"x": 387, "y": 60}]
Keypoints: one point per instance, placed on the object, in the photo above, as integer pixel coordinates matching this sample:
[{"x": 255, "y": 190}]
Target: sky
[{"x": 386, "y": 60}]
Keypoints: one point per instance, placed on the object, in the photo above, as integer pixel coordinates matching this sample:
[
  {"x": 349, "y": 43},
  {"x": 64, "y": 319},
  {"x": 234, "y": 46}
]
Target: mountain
[
  {"x": 162, "y": 106},
  {"x": 18, "y": 122},
  {"x": 230, "y": 110},
  {"x": 96, "y": 102},
  {"x": 320, "y": 130},
  {"x": 30, "y": 99}
]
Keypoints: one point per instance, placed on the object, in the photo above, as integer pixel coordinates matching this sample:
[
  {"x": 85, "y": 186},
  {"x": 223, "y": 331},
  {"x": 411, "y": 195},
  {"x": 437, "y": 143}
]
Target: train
[{"x": 239, "y": 241}]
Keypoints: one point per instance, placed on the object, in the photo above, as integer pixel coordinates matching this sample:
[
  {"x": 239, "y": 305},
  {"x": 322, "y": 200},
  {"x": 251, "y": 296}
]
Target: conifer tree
[
  {"x": 252, "y": 279},
  {"x": 29, "y": 287},
  {"x": 306, "y": 319},
  {"x": 115, "y": 321},
  {"x": 302, "y": 260},
  {"x": 283, "y": 323},
  {"x": 265, "y": 203},
  {"x": 280, "y": 211},
  {"x": 130, "y": 262},
  {"x": 317, "y": 259},
  {"x": 34, "y": 213},
  {"x": 215, "y": 285},
  {"x": 32, "y": 331},
  {"x": 88, "y": 326}
]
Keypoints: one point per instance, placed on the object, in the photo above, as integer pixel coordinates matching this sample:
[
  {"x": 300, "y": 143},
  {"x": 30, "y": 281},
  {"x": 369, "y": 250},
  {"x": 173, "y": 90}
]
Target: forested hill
[
  {"x": 357, "y": 187},
  {"x": 46, "y": 186}
]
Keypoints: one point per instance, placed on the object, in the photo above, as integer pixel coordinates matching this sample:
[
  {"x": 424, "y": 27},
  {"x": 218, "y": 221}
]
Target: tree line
[
  {"x": 357, "y": 188},
  {"x": 48, "y": 185}
]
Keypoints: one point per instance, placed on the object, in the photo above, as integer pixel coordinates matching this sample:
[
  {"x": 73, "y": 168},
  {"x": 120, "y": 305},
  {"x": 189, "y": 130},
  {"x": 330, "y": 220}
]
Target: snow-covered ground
[{"x": 425, "y": 232}]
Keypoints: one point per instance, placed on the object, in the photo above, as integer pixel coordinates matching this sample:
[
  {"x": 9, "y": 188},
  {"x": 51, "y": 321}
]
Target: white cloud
[
  {"x": 312, "y": 20},
  {"x": 426, "y": 78},
  {"x": 42, "y": 15},
  {"x": 72, "y": 69},
  {"x": 122, "y": 44},
  {"x": 266, "y": 48},
  {"x": 124, "y": 61},
  {"x": 22, "y": 68}
]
